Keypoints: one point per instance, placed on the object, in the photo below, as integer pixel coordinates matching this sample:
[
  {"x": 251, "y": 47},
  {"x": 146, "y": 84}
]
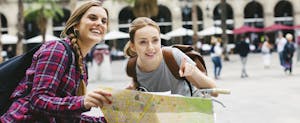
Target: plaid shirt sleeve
[{"x": 52, "y": 61}]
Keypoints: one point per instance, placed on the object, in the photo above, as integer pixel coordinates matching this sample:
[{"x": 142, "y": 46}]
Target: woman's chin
[{"x": 97, "y": 39}]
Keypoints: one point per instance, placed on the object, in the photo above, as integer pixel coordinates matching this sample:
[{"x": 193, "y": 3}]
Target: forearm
[
  {"x": 71, "y": 106},
  {"x": 200, "y": 80}
]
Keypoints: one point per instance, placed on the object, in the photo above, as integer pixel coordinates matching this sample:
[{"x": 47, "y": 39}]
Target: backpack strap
[
  {"x": 131, "y": 71},
  {"x": 173, "y": 66},
  {"x": 171, "y": 62},
  {"x": 69, "y": 52}
]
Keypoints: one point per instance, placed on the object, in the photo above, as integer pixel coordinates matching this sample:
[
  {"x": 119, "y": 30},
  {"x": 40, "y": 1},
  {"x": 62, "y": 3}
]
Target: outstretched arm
[{"x": 195, "y": 76}]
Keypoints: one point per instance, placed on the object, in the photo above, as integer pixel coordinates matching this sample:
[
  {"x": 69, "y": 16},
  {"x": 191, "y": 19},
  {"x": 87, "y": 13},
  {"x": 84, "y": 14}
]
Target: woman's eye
[
  {"x": 155, "y": 40},
  {"x": 93, "y": 18},
  {"x": 142, "y": 42},
  {"x": 104, "y": 21}
]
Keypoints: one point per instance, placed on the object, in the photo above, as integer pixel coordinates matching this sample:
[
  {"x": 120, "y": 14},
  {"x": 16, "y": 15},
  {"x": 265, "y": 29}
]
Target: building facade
[{"x": 172, "y": 14}]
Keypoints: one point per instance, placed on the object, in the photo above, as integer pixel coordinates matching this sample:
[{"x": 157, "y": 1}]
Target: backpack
[
  {"x": 171, "y": 63},
  {"x": 13, "y": 70}
]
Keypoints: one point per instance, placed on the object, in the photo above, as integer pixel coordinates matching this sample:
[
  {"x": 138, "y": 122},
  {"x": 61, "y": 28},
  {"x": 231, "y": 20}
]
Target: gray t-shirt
[{"x": 161, "y": 79}]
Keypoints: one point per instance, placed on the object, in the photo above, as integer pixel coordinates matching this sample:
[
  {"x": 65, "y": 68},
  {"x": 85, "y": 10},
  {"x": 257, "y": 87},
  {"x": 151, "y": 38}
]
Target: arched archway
[
  {"x": 200, "y": 18},
  {"x": 4, "y": 29},
  {"x": 125, "y": 18},
  {"x": 60, "y": 22},
  {"x": 229, "y": 19},
  {"x": 187, "y": 17},
  {"x": 31, "y": 28},
  {"x": 186, "y": 14},
  {"x": 164, "y": 20},
  {"x": 229, "y": 15},
  {"x": 253, "y": 14},
  {"x": 283, "y": 13}
]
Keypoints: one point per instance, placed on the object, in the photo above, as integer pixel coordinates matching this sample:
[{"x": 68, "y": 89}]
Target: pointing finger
[{"x": 182, "y": 67}]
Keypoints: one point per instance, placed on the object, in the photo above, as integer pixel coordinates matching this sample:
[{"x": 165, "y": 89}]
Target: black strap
[{"x": 69, "y": 52}]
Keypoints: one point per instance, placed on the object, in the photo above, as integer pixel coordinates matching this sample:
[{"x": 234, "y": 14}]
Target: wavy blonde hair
[{"x": 73, "y": 36}]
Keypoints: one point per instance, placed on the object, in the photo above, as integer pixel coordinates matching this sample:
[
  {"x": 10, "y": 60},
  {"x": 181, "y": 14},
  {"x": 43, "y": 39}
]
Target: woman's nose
[
  {"x": 150, "y": 46},
  {"x": 99, "y": 22}
]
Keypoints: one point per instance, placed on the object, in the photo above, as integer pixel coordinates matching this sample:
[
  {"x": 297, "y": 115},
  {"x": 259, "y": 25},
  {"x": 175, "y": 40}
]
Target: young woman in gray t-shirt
[{"x": 152, "y": 72}]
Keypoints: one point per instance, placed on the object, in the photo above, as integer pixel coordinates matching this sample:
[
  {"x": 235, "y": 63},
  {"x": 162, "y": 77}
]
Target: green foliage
[
  {"x": 42, "y": 9},
  {"x": 127, "y": 1}
]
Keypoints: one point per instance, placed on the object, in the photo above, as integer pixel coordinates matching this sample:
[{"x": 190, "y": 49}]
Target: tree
[
  {"x": 20, "y": 33},
  {"x": 143, "y": 8},
  {"x": 224, "y": 26},
  {"x": 194, "y": 22},
  {"x": 41, "y": 11},
  {"x": 147, "y": 8}
]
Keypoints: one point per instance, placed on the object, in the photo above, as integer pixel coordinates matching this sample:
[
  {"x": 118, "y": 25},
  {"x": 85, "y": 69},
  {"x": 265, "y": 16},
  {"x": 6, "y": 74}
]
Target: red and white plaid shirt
[{"x": 53, "y": 95}]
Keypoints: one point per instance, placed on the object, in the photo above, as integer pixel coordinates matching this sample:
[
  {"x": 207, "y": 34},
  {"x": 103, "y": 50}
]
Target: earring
[{"x": 76, "y": 33}]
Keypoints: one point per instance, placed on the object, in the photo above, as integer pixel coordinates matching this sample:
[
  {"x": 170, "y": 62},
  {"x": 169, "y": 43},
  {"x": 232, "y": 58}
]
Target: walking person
[
  {"x": 266, "y": 52},
  {"x": 152, "y": 72},
  {"x": 280, "y": 41},
  {"x": 298, "y": 49},
  {"x": 216, "y": 54},
  {"x": 288, "y": 53},
  {"x": 54, "y": 96},
  {"x": 243, "y": 50}
]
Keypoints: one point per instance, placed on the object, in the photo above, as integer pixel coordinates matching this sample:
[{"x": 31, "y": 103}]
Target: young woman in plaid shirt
[{"x": 58, "y": 97}]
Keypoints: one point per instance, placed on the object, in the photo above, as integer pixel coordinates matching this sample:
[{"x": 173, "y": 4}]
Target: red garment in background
[{"x": 99, "y": 55}]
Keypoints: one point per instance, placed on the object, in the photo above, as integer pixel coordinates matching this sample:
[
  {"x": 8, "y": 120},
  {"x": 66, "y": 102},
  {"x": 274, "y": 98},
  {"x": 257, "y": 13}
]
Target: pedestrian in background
[
  {"x": 298, "y": 48},
  {"x": 243, "y": 49},
  {"x": 266, "y": 52},
  {"x": 288, "y": 53},
  {"x": 152, "y": 72},
  {"x": 216, "y": 54},
  {"x": 54, "y": 96},
  {"x": 280, "y": 41}
]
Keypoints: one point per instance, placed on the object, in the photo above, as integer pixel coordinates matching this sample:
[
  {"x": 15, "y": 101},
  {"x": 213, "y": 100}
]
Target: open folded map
[{"x": 131, "y": 106}]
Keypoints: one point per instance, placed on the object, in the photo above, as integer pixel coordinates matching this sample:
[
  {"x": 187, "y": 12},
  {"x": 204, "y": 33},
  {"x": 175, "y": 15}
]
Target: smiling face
[
  {"x": 92, "y": 26},
  {"x": 147, "y": 44}
]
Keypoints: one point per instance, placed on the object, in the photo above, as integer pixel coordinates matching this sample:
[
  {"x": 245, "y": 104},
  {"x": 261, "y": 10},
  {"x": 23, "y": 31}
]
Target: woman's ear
[{"x": 132, "y": 47}]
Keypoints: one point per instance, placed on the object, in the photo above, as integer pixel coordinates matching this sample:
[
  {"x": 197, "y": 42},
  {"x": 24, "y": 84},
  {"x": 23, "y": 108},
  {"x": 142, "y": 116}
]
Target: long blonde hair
[
  {"x": 73, "y": 36},
  {"x": 137, "y": 24}
]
